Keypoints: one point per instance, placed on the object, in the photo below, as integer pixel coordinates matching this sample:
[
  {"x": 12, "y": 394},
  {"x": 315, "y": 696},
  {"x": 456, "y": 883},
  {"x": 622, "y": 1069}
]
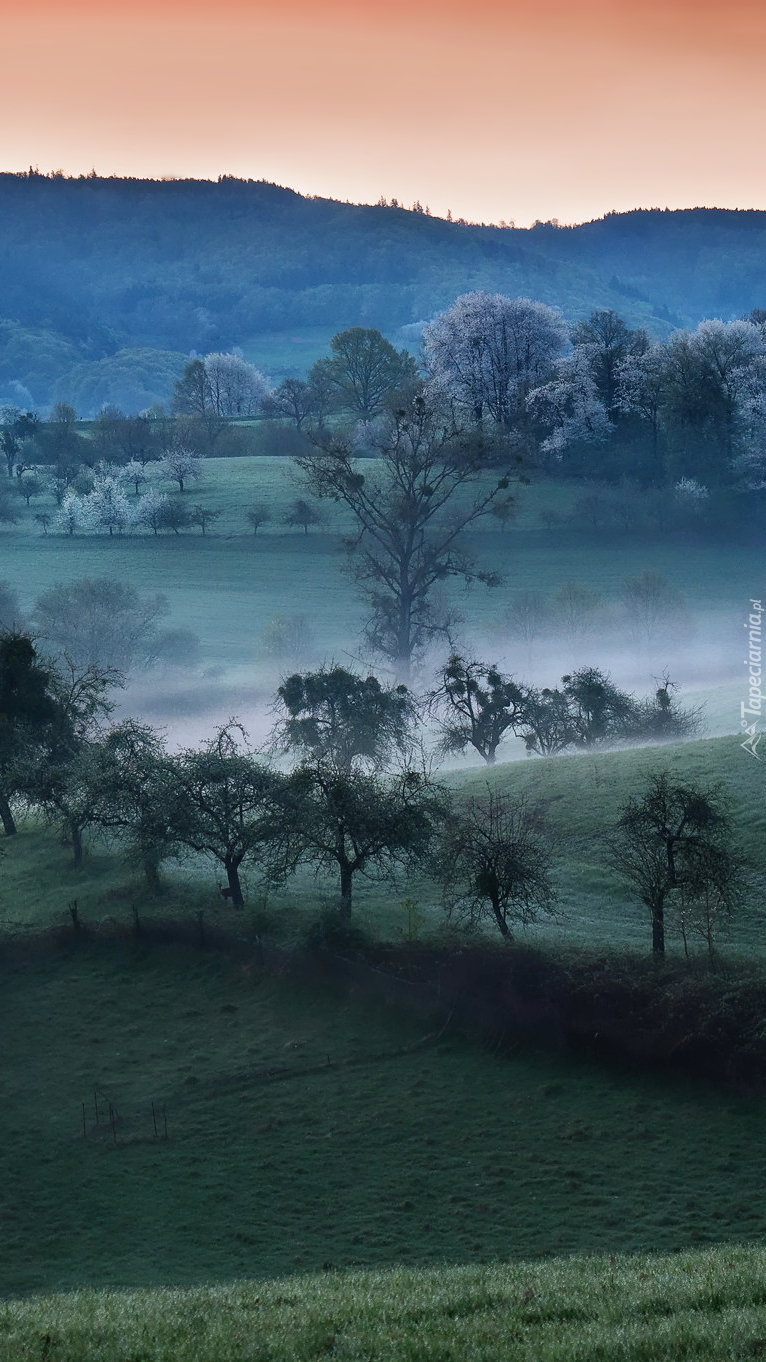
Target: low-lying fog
[{"x": 703, "y": 654}]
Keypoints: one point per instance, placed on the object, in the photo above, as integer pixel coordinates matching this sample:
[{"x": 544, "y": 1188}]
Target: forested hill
[{"x": 105, "y": 284}]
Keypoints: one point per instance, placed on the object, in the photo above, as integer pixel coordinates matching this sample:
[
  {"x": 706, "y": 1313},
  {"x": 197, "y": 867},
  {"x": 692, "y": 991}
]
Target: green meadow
[
  {"x": 228, "y": 584},
  {"x": 579, "y": 794},
  {"x": 204, "y": 1159},
  {"x": 707, "y": 1305},
  {"x": 308, "y": 1130}
]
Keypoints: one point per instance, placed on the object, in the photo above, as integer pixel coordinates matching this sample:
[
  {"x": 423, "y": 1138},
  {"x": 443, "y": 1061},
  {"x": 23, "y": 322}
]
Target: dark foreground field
[{"x": 307, "y": 1131}]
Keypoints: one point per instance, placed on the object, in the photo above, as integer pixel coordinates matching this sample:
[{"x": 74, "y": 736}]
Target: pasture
[
  {"x": 228, "y": 584},
  {"x": 579, "y": 794},
  {"x": 308, "y": 1130},
  {"x": 338, "y": 1178}
]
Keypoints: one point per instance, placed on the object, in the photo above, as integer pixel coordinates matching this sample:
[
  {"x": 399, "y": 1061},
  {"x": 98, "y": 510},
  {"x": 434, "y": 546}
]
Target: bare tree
[
  {"x": 410, "y": 510},
  {"x": 202, "y": 516},
  {"x": 229, "y": 806},
  {"x": 258, "y": 514},
  {"x": 356, "y": 822},
  {"x": 494, "y": 861},
  {"x": 303, "y": 513}
]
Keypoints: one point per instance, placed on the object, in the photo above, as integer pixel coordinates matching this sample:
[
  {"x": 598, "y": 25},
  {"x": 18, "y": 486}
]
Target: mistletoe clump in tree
[
  {"x": 477, "y": 706},
  {"x": 362, "y": 807}
]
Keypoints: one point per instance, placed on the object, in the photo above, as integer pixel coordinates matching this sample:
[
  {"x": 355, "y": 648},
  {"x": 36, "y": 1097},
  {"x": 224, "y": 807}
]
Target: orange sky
[{"x": 562, "y": 108}]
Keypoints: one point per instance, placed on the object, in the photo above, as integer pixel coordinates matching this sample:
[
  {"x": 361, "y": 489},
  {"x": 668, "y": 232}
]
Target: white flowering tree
[
  {"x": 109, "y": 505},
  {"x": 151, "y": 509},
  {"x": 134, "y": 475},
  {"x": 642, "y": 386},
  {"x": 181, "y": 465},
  {"x": 487, "y": 352},
  {"x": 570, "y": 407},
  {"x": 74, "y": 515},
  {"x": 235, "y": 387}
]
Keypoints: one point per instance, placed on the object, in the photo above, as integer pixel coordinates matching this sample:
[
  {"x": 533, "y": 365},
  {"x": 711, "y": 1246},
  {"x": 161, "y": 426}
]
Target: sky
[{"x": 497, "y": 110}]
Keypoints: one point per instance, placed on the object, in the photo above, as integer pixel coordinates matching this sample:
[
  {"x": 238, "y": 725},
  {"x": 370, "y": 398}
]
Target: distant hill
[{"x": 103, "y": 271}]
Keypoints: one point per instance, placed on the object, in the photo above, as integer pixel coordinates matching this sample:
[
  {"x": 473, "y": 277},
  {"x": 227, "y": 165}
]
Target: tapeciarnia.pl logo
[{"x": 753, "y": 708}]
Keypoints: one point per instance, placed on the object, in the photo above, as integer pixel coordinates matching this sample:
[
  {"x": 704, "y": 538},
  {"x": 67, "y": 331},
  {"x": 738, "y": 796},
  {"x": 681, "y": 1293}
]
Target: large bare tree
[{"x": 411, "y": 507}]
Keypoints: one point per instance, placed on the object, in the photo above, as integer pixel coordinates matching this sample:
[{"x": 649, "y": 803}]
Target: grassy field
[
  {"x": 708, "y": 1305},
  {"x": 309, "y": 1130},
  {"x": 229, "y": 583},
  {"x": 428, "y": 1181},
  {"x": 581, "y": 796}
]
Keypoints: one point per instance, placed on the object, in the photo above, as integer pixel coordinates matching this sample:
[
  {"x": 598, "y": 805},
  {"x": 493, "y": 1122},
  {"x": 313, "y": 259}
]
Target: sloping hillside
[{"x": 93, "y": 267}]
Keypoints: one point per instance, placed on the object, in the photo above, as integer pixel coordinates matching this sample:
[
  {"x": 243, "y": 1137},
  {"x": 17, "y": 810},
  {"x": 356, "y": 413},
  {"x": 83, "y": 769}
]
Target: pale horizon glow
[{"x": 516, "y": 112}]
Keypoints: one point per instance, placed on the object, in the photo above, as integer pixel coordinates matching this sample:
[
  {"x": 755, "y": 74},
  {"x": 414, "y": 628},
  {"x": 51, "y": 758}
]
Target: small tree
[
  {"x": 258, "y": 514},
  {"x": 174, "y": 515},
  {"x": 134, "y": 473},
  {"x": 358, "y": 823},
  {"x": 30, "y": 484},
  {"x": 150, "y": 510},
  {"x": 674, "y": 843},
  {"x": 547, "y": 727},
  {"x": 231, "y": 807},
  {"x": 134, "y": 782},
  {"x": 202, "y": 516},
  {"x": 494, "y": 861},
  {"x": 303, "y": 513},
  {"x": 43, "y": 519},
  {"x": 181, "y": 465},
  {"x": 479, "y": 705}
]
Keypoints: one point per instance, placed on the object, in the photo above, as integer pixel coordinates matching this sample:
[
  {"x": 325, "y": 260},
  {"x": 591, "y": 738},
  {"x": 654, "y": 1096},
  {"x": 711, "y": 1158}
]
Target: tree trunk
[
  {"x": 658, "y": 929},
  {"x": 76, "y": 835},
  {"x": 499, "y": 919},
  {"x": 235, "y": 888},
  {"x": 346, "y": 879},
  {"x": 151, "y": 870},
  {"x": 9, "y": 826}
]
